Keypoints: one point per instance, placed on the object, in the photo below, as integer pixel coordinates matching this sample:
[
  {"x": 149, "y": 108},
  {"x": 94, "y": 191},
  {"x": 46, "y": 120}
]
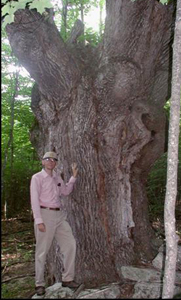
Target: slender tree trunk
[
  {"x": 100, "y": 17},
  {"x": 82, "y": 12},
  {"x": 10, "y": 143},
  {"x": 64, "y": 18},
  {"x": 172, "y": 165}
]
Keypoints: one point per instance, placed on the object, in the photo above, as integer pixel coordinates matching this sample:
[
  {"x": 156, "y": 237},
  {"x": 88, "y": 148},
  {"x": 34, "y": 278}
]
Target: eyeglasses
[{"x": 50, "y": 159}]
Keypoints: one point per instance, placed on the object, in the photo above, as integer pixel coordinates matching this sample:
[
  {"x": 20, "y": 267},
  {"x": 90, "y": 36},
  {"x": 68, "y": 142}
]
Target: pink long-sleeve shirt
[{"x": 45, "y": 190}]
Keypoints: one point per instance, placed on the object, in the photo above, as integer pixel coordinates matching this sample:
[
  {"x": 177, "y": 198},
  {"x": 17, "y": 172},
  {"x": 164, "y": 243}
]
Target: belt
[{"x": 50, "y": 208}]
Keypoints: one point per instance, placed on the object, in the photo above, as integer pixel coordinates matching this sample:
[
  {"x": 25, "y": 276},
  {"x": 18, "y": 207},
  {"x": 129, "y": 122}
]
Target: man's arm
[
  {"x": 35, "y": 204},
  {"x": 66, "y": 189}
]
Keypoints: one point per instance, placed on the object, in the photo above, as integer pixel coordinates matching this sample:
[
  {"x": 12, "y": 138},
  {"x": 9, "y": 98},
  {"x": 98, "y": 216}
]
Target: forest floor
[
  {"x": 17, "y": 258},
  {"x": 17, "y": 255}
]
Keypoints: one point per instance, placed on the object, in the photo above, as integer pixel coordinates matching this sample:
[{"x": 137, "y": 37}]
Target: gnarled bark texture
[{"x": 102, "y": 108}]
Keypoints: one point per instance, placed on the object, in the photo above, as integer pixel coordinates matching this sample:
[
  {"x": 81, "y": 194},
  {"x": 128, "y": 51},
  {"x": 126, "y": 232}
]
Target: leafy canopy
[{"x": 9, "y": 8}]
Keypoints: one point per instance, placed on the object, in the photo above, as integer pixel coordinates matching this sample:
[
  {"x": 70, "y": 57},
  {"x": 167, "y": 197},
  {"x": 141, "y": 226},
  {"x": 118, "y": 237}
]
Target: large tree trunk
[{"x": 102, "y": 108}]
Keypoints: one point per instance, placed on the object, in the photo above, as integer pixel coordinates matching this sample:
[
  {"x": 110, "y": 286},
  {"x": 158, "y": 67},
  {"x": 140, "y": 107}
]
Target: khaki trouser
[{"x": 58, "y": 227}]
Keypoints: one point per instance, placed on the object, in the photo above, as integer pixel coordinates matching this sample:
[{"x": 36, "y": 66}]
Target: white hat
[{"x": 51, "y": 155}]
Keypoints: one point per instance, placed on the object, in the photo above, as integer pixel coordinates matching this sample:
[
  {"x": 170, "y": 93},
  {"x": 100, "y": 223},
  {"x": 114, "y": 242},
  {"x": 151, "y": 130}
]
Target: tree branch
[
  {"x": 142, "y": 35},
  {"x": 39, "y": 47},
  {"x": 16, "y": 277}
]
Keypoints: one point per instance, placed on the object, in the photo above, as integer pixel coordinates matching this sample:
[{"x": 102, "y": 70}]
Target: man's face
[{"x": 49, "y": 163}]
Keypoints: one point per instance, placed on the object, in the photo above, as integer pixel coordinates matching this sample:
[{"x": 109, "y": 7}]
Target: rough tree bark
[{"x": 102, "y": 108}]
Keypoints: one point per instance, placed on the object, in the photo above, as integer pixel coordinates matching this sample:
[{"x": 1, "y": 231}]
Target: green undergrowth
[
  {"x": 18, "y": 289},
  {"x": 17, "y": 258}
]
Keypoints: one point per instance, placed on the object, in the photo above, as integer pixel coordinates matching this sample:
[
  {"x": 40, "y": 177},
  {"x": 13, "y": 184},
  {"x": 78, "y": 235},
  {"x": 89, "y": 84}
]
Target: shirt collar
[{"x": 45, "y": 174}]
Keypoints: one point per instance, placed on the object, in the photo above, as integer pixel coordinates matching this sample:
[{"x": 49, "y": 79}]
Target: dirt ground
[
  {"x": 17, "y": 255},
  {"x": 17, "y": 258}
]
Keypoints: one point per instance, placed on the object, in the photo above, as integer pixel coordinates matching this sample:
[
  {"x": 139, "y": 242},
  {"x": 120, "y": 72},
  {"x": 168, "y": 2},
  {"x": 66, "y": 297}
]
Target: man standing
[{"x": 50, "y": 221}]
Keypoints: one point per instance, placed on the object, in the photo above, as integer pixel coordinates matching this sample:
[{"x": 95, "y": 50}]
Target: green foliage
[
  {"x": 24, "y": 163},
  {"x": 6, "y": 292},
  {"x": 90, "y": 37},
  {"x": 156, "y": 187},
  {"x": 156, "y": 184},
  {"x": 11, "y": 7},
  {"x": 40, "y": 5},
  {"x": 164, "y": 1},
  {"x": 177, "y": 296},
  {"x": 22, "y": 160},
  {"x": 17, "y": 256},
  {"x": 14, "y": 289},
  {"x": 73, "y": 12}
]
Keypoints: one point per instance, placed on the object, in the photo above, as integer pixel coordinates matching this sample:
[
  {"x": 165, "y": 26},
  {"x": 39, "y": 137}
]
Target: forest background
[{"x": 19, "y": 158}]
